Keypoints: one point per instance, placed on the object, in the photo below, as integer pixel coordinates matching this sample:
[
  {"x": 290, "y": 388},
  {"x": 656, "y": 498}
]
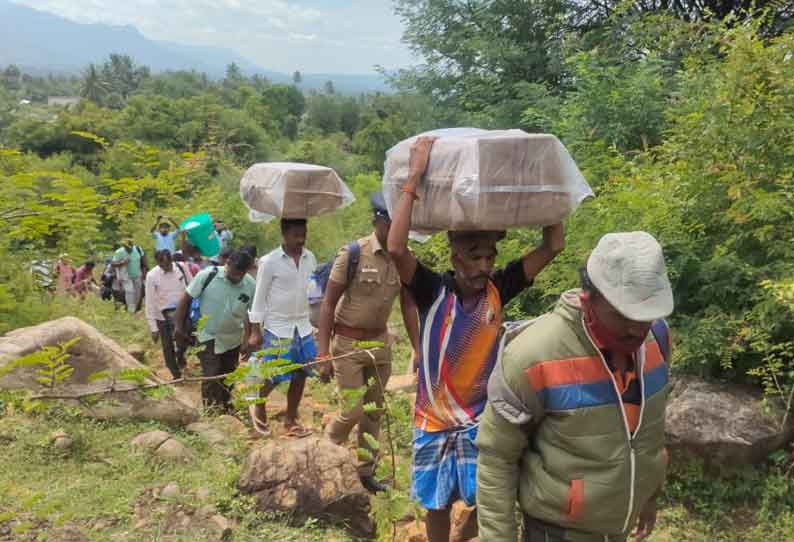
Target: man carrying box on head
[
  {"x": 280, "y": 319},
  {"x": 461, "y": 314},
  {"x": 358, "y": 300},
  {"x": 574, "y": 427}
]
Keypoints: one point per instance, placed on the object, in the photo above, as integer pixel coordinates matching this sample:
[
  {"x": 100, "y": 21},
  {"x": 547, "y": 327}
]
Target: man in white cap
[{"x": 574, "y": 426}]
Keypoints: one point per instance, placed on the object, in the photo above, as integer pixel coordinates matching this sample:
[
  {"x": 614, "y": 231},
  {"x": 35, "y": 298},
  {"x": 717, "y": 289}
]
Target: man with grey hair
[
  {"x": 574, "y": 426},
  {"x": 461, "y": 315}
]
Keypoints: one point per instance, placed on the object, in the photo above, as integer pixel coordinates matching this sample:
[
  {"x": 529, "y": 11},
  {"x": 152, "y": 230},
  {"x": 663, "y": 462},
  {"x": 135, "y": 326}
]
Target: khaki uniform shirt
[{"x": 368, "y": 300}]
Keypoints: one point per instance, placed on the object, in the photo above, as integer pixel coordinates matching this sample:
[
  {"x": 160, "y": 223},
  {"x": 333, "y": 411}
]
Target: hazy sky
[{"x": 314, "y": 36}]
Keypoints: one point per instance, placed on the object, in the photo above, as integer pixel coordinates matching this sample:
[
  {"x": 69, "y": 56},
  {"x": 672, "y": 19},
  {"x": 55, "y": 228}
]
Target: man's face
[
  {"x": 630, "y": 334},
  {"x": 473, "y": 266},
  {"x": 295, "y": 237},
  {"x": 164, "y": 261},
  {"x": 164, "y": 229},
  {"x": 128, "y": 246},
  {"x": 234, "y": 275}
]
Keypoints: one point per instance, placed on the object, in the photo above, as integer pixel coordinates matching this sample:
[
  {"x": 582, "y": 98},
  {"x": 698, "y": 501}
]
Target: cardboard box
[
  {"x": 292, "y": 190},
  {"x": 488, "y": 180}
]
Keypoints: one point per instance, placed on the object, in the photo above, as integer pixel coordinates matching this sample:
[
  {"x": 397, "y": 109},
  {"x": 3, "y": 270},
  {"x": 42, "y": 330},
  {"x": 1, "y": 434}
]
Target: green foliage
[{"x": 51, "y": 362}]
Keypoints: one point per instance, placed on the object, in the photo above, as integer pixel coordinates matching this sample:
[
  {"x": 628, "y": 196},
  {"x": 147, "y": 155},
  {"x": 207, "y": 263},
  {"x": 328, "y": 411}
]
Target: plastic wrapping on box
[
  {"x": 292, "y": 190},
  {"x": 488, "y": 180}
]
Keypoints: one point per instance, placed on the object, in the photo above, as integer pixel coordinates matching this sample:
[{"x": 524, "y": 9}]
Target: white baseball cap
[{"x": 628, "y": 270}]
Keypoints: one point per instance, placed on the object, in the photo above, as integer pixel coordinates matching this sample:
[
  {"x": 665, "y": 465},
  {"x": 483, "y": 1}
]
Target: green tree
[{"x": 93, "y": 87}]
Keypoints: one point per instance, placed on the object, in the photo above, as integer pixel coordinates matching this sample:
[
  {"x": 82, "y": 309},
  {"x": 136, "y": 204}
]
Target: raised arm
[
  {"x": 156, "y": 224},
  {"x": 397, "y": 244},
  {"x": 553, "y": 243},
  {"x": 172, "y": 221}
]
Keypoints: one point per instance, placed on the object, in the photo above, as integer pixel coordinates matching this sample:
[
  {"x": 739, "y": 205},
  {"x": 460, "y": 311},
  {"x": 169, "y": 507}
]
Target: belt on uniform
[{"x": 358, "y": 334}]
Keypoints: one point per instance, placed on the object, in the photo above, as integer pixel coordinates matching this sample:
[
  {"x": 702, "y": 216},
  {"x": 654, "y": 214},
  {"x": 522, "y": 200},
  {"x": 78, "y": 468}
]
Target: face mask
[{"x": 604, "y": 338}]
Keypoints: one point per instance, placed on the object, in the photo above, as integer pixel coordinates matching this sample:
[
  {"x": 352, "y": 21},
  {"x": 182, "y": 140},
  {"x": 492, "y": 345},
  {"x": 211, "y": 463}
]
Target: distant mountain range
[{"x": 42, "y": 41}]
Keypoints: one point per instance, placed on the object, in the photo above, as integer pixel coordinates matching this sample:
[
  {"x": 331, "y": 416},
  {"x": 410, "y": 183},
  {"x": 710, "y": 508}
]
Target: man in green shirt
[
  {"x": 130, "y": 262},
  {"x": 225, "y": 295}
]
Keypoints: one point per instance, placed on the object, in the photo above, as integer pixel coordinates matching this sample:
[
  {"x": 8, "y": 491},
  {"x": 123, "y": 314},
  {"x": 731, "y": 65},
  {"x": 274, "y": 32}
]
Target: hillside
[{"x": 40, "y": 41}]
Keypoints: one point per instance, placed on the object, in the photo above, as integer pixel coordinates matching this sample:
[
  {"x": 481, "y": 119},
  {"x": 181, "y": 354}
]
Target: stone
[
  {"x": 308, "y": 478},
  {"x": 137, "y": 351},
  {"x": 209, "y": 433},
  {"x": 221, "y": 526},
  {"x": 723, "y": 424},
  {"x": 411, "y": 531},
  {"x": 61, "y": 441},
  {"x": 93, "y": 353},
  {"x": 170, "y": 491},
  {"x": 151, "y": 440},
  {"x": 173, "y": 450}
]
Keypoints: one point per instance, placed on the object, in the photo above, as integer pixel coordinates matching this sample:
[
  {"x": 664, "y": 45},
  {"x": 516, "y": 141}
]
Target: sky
[{"x": 313, "y": 36}]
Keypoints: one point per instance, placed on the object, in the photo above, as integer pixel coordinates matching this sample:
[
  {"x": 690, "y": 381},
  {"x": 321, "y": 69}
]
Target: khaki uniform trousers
[{"x": 355, "y": 372}]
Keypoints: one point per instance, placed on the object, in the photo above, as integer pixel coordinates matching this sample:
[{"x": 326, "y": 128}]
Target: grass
[{"x": 102, "y": 479}]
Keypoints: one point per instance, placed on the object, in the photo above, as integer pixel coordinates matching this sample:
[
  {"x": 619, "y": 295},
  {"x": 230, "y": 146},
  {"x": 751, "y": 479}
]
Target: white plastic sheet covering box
[
  {"x": 488, "y": 180},
  {"x": 292, "y": 190}
]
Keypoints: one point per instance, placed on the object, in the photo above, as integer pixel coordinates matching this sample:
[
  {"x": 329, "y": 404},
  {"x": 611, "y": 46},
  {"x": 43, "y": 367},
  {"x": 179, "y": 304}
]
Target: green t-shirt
[
  {"x": 133, "y": 260},
  {"x": 225, "y": 305}
]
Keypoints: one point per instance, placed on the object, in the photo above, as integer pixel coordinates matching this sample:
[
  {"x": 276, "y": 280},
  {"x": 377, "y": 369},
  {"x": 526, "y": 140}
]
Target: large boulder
[
  {"x": 91, "y": 354},
  {"x": 309, "y": 477},
  {"x": 723, "y": 424}
]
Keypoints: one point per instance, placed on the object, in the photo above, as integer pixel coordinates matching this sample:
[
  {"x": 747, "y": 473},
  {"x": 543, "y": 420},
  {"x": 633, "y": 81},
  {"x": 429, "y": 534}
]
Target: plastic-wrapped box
[
  {"x": 292, "y": 190},
  {"x": 488, "y": 180}
]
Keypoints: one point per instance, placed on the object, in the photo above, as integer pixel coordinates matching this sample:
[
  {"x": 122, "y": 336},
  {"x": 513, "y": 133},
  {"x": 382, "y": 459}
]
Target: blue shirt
[{"x": 165, "y": 242}]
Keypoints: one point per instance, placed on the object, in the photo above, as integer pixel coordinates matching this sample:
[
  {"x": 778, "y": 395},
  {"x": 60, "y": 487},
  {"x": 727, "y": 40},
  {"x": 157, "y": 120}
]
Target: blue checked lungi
[
  {"x": 444, "y": 468},
  {"x": 300, "y": 350}
]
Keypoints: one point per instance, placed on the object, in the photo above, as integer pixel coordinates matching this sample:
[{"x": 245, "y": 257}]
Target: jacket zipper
[{"x": 629, "y": 436}]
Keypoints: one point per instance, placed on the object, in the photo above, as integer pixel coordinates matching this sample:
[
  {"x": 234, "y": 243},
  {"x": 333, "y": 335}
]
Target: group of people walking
[{"x": 562, "y": 414}]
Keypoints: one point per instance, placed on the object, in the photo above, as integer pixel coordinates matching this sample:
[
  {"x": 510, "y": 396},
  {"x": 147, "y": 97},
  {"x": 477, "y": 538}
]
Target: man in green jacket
[{"x": 574, "y": 426}]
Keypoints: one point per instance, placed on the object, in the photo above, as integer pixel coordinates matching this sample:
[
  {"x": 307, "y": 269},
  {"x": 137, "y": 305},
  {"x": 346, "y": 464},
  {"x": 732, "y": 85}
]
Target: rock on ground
[
  {"x": 93, "y": 353},
  {"x": 722, "y": 423},
  {"x": 308, "y": 477},
  {"x": 162, "y": 445}
]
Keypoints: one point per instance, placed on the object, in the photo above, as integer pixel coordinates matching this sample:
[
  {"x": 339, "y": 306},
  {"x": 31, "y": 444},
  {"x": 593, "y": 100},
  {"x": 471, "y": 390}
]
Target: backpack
[
  {"x": 194, "y": 314},
  {"x": 319, "y": 278}
]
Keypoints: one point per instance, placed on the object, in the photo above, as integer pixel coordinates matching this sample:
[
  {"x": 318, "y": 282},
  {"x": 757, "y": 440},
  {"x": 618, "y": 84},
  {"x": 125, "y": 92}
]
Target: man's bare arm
[
  {"x": 553, "y": 243},
  {"x": 397, "y": 244}
]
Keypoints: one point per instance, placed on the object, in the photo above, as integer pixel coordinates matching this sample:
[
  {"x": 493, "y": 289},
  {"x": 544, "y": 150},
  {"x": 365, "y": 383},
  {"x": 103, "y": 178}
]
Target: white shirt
[
  {"x": 281, "y": 301},
  {"x": 164, "y": 290}
]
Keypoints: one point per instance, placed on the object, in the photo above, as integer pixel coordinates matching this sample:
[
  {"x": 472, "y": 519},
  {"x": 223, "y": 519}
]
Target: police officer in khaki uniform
[{"x": 359, "y": 311}]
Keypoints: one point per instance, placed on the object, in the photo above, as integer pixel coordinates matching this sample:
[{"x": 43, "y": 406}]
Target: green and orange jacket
[{"x": 557, "y": 436}]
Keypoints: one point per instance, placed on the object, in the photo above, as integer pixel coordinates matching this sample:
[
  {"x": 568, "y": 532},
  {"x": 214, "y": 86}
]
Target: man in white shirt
[
  {"x": 165, "y": 286},
  {"x": 280, "y": 318}
]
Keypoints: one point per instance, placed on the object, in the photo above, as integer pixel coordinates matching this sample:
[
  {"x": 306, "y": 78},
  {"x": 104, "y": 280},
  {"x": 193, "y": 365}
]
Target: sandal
[
  {"x": 297, "y": 431},
  {"x": 259, "y": 426}
]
